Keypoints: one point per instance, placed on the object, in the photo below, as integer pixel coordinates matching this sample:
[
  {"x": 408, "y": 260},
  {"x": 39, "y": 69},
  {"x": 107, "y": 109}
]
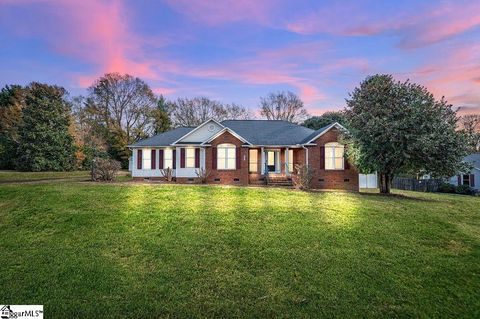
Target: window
[
  {"x": 226, "y": 156},
  {"x": 147, "y": 158},
  {"x": 466, "y": 180},
  {"x": 168, "y": 158},
  {"x": 190, "y": 157},
  {"x": 334, "y": 156},
  {"x": 290, "y": 161},
  {"x": 253, "y": 161}
]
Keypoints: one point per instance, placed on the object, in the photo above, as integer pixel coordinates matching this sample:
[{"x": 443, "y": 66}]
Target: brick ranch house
[{"x": 245, "y": 152}]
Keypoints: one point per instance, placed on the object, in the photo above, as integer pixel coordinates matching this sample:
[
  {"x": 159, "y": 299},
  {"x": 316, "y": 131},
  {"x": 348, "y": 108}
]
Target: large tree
[
  {"x": 46, "y": 143},
  {"x": 192, "y": 112},
  {"x": 471, "y": 125},
  {"x": 398, "y": 127},
  {"x": 285, "y": 106},
  {"x": 161, "y": 119},
  {"x": 120, "y": 107},
  {"x": 327, "y": 118},
  {"x": 12, "y": 102}
]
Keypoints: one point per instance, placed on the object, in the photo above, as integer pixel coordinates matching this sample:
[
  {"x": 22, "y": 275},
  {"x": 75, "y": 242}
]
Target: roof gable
[
  {"x": 163, "y": 139},
  {"x": 201, "y": 132},
  {"x": 316, "y": 134}
]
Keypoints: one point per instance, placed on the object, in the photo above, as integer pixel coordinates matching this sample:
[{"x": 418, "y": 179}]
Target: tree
[
  {"x": 398, "y": 127},
  {"x": 327, "y": 118},
  {"x": 193, "y": 112},
  {"x": 471, "y": 125},
  {"x": 12, "y": 102},
  {"x": 120, "y": 107},
  {"x": 161, "y": 119},
  {"x": 45, "y": 140},
  {"x": 285, "y": 106}
]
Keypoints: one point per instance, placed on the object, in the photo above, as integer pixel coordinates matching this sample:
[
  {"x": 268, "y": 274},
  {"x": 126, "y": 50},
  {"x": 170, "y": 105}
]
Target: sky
[{"x": 236, "y": 51}]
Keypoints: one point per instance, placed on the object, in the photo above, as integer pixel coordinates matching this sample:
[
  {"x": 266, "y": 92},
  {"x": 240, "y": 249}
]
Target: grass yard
[{"x": 133, "y": 250}]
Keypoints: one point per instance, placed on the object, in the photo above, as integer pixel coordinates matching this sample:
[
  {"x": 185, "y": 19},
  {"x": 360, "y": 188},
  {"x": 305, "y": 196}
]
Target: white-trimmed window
[
  {"x": 190, "y": 158},
  {"x": 334, "y": 156},
  {"x": 226, "y": 157},
  {"x": 253, "y": 160},
  {"x": 147, "y": 158},
  {"x": 168, "y": 158},
  {"x": 290, "y": 161}
]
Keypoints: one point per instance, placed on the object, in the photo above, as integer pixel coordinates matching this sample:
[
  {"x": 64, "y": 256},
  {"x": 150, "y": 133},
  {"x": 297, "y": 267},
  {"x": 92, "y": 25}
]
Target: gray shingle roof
[
  {"x": 315, "y": 133},
  {"x": 164, "y": 139},
  {"x": 264, "y": 132},
  {"x": 257, "y": 132}
]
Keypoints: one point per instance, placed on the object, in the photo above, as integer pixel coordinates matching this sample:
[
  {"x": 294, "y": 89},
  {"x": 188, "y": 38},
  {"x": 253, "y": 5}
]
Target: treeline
[{"x": 43, "y": 128}]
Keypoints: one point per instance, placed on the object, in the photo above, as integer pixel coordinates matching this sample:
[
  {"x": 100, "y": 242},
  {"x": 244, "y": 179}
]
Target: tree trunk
[{"x": 385, "y": 183}]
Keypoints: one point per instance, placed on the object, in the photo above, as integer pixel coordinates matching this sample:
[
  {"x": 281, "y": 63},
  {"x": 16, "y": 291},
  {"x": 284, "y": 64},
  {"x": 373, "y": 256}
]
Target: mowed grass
[
  {"x": 94, "y": 250},
  {"x": 13, "y": 176}
]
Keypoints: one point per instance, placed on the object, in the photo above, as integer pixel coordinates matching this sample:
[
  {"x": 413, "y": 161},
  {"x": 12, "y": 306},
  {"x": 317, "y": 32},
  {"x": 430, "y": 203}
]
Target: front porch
[{"x": 273, "y": 165}]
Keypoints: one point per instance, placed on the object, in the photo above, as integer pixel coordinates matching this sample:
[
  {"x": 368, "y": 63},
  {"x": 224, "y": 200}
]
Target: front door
[{"x": 272, "y": 161}]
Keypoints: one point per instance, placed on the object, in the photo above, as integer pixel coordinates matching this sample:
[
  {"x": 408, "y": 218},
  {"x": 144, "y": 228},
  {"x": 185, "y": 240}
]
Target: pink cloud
[
  {"x": 417, "y": 26},
  {"x": 94, "y": 32}
]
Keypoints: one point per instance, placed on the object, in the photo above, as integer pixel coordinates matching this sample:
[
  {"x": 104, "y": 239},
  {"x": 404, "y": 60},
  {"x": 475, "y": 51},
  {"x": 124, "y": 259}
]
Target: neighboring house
[
  {"x": 471, "y": 178},
  {"x": 246, "y": 152}
]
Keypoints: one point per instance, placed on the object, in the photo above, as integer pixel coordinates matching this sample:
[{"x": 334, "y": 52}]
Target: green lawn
[
  {"x": 7, "y": 176},
  {"x": 131, "y": 250}
]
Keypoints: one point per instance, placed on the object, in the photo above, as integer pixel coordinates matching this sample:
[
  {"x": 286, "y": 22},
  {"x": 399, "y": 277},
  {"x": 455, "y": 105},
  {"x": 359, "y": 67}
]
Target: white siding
[{"x": 203, "y": 133}]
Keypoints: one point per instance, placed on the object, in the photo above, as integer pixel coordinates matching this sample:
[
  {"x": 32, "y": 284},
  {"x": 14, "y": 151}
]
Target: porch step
[{"x": 280, "y": 181}]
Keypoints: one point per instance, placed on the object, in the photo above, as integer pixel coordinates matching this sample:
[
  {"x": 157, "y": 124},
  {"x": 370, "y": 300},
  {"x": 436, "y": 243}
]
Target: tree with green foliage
[
  {"x": 46, "y": 143},
  {"x": 12, "y": 102},
  {"x": 161, "y": 119},
  {"x": 399, "y": 127},
  {"x": 327, "y": 118}
]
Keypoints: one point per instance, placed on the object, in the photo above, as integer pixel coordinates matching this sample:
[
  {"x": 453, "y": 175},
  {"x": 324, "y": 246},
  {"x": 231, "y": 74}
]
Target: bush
[
  {"x": 446, "y": 188},
  {"x": 464, "y": 189},
  {"x": 302, "y": 177},
  {"x": 167, "y": 174},
  {"x": 202, "y": 175},
  {"x": 105, "y": 169}
]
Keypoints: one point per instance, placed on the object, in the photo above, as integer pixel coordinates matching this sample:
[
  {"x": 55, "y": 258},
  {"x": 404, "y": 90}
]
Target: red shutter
[
  {"x": 346, "y": 162},
  {"x": 139, "y": 159},
  {"x": 459, "y": 180},
  {"x": 197, "y": 158},
  {"x": 322, "y": 157},
  {"x": 238, "y": 157},
  {"x": 174, "y": 157},
  {"x": 214, "y": 158},
  {"x": 160, "y": 159},
  {"x": 154, "y": 159},
  {"x": 472, "y": 180},
  {"x": 182, "y": 158}
]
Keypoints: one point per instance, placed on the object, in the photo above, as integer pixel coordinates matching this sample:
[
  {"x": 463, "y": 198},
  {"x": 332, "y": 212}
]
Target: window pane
[
  {"x": 146, "y": 158},
  {"x": 339, "y": 151},
  {"x": 168, "y": 163},
  {"x": 221, "y": 152},
  {"x": 329, "y": 163},
  {"x": 253, "y": 167},
  {"x": 167, "y": 154},
  {"x": 329, "y": 152},
  {"x": 271, "y": 158},
  {"x": 253, "y": 159},
  {"x": 190, "y": 152},
  {"x": 231, "y": 152},
  {"x": 339, "y": 163},
  {"x": 190, "y": 162},
  {"x": 231, "y": 163},
  {"x": 221, "y": 163}
]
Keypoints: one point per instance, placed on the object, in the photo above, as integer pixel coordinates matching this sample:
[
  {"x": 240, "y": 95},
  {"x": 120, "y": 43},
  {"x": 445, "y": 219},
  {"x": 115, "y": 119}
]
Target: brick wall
[
  {"x": 227, "y": 176},
  {"x": 330, "y": 179}
]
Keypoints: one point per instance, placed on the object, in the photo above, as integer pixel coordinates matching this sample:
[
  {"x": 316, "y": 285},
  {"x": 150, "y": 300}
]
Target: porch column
[
  {"x": 287, "y": 171},
  {"x": 262, "y": 161}
]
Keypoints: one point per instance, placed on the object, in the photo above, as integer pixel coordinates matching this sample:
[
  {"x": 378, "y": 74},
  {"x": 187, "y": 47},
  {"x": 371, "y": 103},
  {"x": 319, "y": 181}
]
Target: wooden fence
[{"x": 419, "y": 185}]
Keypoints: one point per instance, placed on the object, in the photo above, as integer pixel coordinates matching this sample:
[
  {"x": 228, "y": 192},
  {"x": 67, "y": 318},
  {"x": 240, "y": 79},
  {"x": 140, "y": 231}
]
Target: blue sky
[{"x": 238, "y": 51}]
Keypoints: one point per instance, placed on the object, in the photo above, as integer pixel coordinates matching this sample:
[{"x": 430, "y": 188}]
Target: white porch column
[
  {"x": 177, "y": 160},
  {"x": 286, "y": 162},
  {"x": 262, "y": 161}
]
